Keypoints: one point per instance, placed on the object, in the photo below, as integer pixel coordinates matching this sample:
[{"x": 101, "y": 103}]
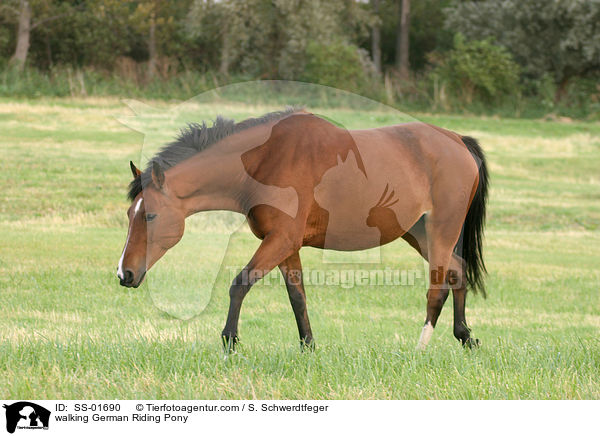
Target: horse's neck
[
  {"x": 208, "y": 182},
  {"x": 215, "y": 179}
]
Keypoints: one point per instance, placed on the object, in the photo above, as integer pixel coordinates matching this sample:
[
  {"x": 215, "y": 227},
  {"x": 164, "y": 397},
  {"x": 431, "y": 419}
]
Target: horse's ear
[
  {"x": 158, "y": 176},
  {"x": 136, "y": 173}
]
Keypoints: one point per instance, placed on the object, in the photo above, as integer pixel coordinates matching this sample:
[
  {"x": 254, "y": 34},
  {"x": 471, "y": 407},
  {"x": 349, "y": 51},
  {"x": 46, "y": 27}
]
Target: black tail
[{"x": 475, "y": 222}]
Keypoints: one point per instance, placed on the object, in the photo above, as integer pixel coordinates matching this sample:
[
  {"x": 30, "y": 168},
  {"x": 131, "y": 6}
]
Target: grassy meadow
[{"x": 68, "y": 330}]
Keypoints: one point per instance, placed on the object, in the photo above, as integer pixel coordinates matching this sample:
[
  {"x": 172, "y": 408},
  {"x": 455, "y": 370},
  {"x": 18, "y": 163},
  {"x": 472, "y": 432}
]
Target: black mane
[{"x": 196, "y": 138}]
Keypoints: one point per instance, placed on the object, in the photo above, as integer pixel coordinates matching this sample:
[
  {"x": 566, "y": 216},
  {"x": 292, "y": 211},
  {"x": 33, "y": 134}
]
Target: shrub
[
  {"x": 338, "y": 65},
  {"x": 478, "y": 70}
]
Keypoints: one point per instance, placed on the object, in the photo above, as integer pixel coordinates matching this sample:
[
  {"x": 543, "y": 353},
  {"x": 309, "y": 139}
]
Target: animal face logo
[{"x": 26, "y": 415}]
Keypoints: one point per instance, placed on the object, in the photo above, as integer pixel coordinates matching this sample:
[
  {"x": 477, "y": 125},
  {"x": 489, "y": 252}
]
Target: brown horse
[{"x": 302, "y": 181}]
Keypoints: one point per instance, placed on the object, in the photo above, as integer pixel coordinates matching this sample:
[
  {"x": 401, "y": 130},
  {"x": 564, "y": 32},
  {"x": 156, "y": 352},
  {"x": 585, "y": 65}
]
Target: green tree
[
  {"x": 270, "y": 38},
  {"x": 376, "y": 36},
  {"x": 560, "y": 37},
  {"x": 31, "y": 15},
  {"x": 95, "y": 33},
  {"x": 426, "y": 31},
  {"x": 205, "y": 27},
  {"x": 161, "y": 24},
  {"x": 403, "y": 38}
]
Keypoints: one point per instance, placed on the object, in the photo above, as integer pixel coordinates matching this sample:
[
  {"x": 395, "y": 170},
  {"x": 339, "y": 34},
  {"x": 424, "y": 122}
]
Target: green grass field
[{"x": 68, "y": 330}]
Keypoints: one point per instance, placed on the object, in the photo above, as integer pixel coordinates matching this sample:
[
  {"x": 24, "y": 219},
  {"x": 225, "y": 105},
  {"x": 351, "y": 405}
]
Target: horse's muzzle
[{"x": 128, "y": 279}]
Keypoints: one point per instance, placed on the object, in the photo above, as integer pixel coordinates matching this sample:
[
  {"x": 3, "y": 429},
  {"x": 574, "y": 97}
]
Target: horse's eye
[{"x": 150, "y": 216}]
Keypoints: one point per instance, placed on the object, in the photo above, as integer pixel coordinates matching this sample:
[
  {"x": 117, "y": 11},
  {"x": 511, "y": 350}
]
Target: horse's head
[{"x": 156, "y": 223}]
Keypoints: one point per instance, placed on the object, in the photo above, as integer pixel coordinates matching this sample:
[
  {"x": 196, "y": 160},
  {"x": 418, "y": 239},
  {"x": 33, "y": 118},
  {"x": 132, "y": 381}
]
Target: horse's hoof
[
  {"x": 307, "y": 346},
  {"x": 472, "y": 343},
  {"x": 229, "y": 343}
]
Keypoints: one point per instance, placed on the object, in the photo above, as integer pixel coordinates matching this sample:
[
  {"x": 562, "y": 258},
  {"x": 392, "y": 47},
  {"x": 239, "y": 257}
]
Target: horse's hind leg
[
  {"x": 459, "y": 293},
  {"x": 443, "y": 230},
  {"x": 417, "y": 238},
  {"x": 291, "y": 269}
]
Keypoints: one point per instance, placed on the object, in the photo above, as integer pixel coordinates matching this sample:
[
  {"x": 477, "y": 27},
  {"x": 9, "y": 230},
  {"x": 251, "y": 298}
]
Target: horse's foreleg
[
  {"x": 291, "y": 269},
  {"x": 271, "y": 252}
]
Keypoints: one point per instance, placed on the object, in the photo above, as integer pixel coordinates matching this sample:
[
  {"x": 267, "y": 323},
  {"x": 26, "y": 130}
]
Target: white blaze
[
  {"x": 135, "y": 211},
  {"x": 137, "y": 206}
]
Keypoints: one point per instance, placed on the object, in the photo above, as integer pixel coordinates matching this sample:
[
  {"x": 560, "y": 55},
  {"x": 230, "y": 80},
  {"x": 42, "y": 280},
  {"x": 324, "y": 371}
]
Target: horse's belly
[
  {"x": 352, "y": 232},
  {"x": 350, "y": 241},
  {"x": 358, "y": 219}
]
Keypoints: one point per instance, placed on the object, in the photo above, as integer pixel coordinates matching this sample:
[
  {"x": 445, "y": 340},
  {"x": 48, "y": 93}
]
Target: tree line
[{"x": 440, "y": 53}]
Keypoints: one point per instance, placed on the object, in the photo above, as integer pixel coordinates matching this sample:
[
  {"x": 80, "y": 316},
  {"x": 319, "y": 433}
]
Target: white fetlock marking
[{"x": 425, "y": 336}]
